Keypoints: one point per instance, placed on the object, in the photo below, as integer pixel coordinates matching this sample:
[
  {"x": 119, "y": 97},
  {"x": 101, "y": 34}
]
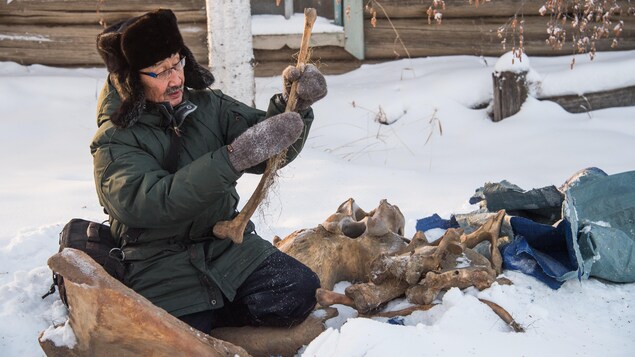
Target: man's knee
[
  {"x": 286, "y": 294},
  {"x": 300, "y": 299}
]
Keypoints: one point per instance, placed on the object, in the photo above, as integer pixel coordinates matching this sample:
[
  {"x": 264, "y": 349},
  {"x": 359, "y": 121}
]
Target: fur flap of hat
[
  {"x": 133, "y": 99},
  {"x": 140, "y": 42},
  {"x": 196, "y": 76}
]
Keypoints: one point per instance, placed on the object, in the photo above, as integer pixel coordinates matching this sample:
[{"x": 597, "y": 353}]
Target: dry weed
[{"x": 589, "y": 23}]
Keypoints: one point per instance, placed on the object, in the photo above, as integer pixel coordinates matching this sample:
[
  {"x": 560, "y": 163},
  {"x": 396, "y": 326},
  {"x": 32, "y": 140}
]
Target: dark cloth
[
  {"x": 542, "y": 251},
  {"x": 280, "y": 292},
  {"x": 542, "y": 205}
]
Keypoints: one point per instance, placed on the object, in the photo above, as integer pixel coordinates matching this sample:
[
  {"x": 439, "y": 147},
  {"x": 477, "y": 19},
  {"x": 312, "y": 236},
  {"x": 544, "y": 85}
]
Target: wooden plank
[
  {"x": 468, "y": 37},
  {"x": 270, "y": 69},
  {"x": 354, "y": 28},
  {"x": 100, "y": 5},
  {"x": 274, "y": 42},
  {"x": 330, "y": 60},
  {"x": 453, "y": 8},
  {"x": 327, "y": 53},
  {"x": 622, "y": 97},
  {"x": 461, "y": 8},
  {"x": 74, "y": 45},
  {"x": 42, "y": 17}
]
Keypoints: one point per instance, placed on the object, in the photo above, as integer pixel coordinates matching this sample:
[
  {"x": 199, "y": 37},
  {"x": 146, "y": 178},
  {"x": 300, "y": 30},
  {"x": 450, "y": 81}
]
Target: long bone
[{"x": 235, "y": 228}]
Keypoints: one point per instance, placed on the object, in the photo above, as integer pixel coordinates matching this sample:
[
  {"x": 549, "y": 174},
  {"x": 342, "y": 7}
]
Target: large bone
[
  {"x": 418, "y": 259},
  {"x": 425, "y": 292},
  {"x": 370, "y": 297},
  {"x": 276, "y": 341},
  {"x": 342, "y": 246},
  {"x": 330, "y": 298},
  {"x": 109, "y": 319},
  {"x": 489, "y": 231},
  {"x": 235, "y": 228},
  {"x": 364, "y": 297},
  {"x": 334, "y": 256}
]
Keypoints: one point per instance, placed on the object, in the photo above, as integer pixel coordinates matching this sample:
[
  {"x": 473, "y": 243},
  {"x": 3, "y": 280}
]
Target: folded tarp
[
  {"x": 602, "y": 214},
  {"x": 595, "y": 238}
]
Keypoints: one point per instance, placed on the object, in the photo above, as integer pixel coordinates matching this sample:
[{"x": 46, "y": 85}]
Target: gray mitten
[
  {"x": 265, "y": 140},
  {"x": 311, "y": 85}
]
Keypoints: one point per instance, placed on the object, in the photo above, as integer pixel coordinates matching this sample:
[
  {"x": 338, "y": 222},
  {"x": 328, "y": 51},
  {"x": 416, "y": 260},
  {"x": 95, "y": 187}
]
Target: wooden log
[
  {"x": 622, "y": 97},
  {"x": 329, "y": 59},
  {"x": 74, "y": 45},
  {"x": 50, "y": 17},
  {"x": 460, "y": 8},
  {"x": 453, "y": 8},
  {"x": 100, "y": 5},
  {"x": 317, "y": 53},
  {"x": 470, "y": 35},
  {"x": 510, "y": 92},
  {"x": 477, "y": 36},
  {"x": 274, "y": 68}
]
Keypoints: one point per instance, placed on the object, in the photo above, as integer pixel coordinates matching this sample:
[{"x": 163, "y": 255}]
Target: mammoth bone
[
  {"x": 343, "y": 247},
  {"x": 369, "y": 250}
]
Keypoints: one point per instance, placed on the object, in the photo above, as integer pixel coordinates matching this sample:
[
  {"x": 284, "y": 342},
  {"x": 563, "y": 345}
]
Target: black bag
[{"x": 95, "y": 240}]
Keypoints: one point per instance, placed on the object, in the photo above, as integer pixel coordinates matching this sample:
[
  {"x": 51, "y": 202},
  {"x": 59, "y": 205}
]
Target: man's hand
[
  {"x": 311, "y": 85},
  {"x": 265, "y": 140}
]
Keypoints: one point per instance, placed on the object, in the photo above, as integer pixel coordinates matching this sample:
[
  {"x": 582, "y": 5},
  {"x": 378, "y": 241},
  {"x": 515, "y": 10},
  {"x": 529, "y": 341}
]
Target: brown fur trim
[{"x": 196, "y": 76}]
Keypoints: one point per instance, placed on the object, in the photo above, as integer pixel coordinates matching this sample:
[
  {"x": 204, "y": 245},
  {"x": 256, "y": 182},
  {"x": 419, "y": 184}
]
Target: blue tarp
[
  {"x": 596, "y": 236},
  {"x": 435, "y": 221},
  {"x": 541, "y": 250}
]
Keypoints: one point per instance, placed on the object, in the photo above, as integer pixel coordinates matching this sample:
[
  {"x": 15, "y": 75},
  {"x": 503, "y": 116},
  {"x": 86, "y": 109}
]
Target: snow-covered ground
[{"x": 432, "y": 157}]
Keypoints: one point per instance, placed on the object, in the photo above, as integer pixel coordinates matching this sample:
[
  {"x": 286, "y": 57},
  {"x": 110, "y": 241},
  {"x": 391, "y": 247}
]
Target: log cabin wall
[
  {"x": 63, "y": 32},
  {"x": 469, "y": 29}
]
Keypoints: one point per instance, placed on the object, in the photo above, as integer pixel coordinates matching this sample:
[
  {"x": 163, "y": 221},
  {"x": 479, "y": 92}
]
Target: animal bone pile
[{"x": 368, "y": 248}]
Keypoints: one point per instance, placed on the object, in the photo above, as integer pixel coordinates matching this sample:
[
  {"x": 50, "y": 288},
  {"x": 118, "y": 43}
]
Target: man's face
[{"x": 168, "y": 86}]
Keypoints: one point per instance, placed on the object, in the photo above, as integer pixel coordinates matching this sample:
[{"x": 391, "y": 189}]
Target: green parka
[{"x": 164, "y": 221}]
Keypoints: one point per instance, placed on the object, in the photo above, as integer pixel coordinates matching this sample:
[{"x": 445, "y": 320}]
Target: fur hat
[{"x": 139, "y": 42}]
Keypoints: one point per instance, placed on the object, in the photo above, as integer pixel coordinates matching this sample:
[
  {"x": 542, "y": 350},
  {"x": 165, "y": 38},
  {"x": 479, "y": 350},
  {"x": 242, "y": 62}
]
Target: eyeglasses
[{"x": 163, "y": 75}]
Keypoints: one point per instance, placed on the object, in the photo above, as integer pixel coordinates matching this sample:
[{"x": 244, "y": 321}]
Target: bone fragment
[
  {"x": 418, "y": 240},
  {"x": 504, "y": 315},
  {"x": 425, "y": 259},
  {"x": 425, "y": 292},
  {"x": 329, "y": 298},
  {"x": 403, "y": 312},
  {"x": 369, "y": 297},
  {"x": 489, "y": 231},
  {"x": 276, "y": 341}
]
